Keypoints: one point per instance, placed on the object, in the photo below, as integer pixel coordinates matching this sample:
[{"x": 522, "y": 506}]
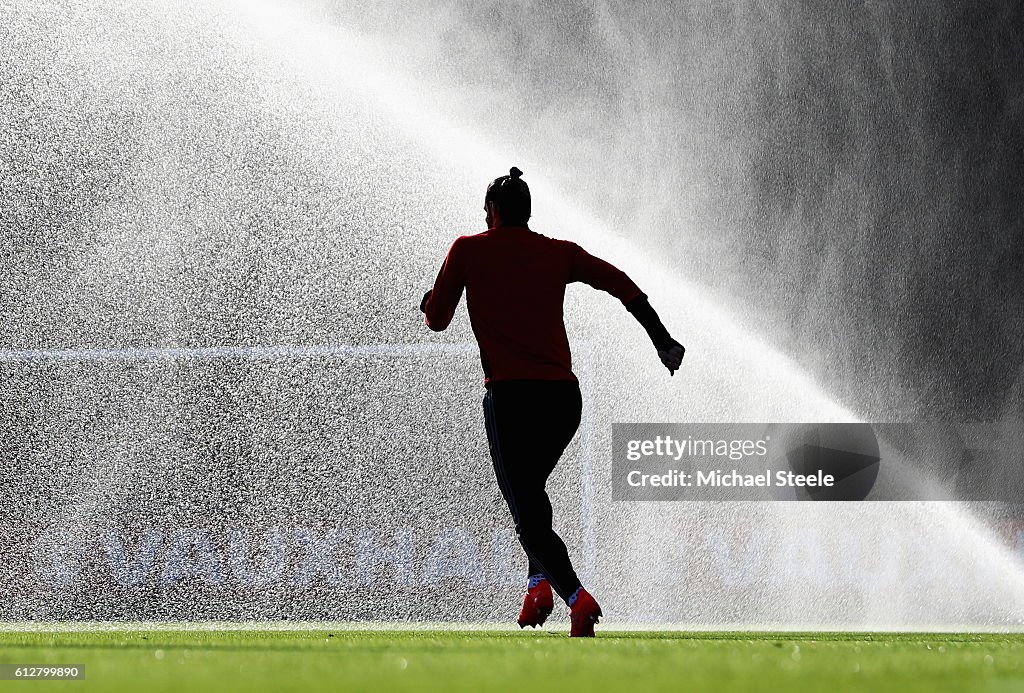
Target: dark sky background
[{"x": 845, "y": 177}]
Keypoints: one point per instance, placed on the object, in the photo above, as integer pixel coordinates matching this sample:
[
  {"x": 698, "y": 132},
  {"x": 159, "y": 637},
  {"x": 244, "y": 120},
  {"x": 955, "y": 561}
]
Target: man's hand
[
  {"x": 669, "y": 350},
  {"x": 672, "y": 356},
  {"x": 423, "y": 302}
]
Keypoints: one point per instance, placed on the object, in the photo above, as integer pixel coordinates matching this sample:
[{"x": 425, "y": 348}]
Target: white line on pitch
[{"x": 233, "y": 352}]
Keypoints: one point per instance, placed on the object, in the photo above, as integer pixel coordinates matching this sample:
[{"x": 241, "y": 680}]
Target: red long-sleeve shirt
[{"x": 515, "y": 283}]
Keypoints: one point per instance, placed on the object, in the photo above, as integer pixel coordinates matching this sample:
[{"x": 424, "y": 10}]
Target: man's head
[{"x": 508, "y": 200}]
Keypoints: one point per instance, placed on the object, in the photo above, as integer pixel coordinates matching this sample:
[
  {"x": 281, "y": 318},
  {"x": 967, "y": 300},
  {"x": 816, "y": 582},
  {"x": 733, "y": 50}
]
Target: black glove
[
  {"x": 669, "y": 350},
  {"x": 423, "y": 302},
  {"x": 672, "y": 357}
]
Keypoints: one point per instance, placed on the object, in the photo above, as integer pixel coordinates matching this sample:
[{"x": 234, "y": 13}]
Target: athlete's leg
[{"x": 529, "y": 424}]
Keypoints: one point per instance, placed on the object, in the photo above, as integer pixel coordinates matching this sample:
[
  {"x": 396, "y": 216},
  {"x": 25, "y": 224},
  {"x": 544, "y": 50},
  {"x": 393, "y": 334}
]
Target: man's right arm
[
  {"x": 603, "y": 275},
  {"x": 669, "y": 350}
]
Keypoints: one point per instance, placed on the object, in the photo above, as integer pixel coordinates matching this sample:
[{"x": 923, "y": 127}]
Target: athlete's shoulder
[
  {"x": 559, "y": 244},
  {"x": 551, "y": 240},
  {"x": 469, "y": 240}
]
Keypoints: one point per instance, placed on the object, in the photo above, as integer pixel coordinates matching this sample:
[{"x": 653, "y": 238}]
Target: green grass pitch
[{"x": 164, "y": 659}]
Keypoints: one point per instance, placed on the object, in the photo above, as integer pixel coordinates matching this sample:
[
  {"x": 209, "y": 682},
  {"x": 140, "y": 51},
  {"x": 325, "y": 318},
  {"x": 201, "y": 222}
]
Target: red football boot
[
  {"x": 537, "y": 605},
  {"x": 583, "y": 614}
]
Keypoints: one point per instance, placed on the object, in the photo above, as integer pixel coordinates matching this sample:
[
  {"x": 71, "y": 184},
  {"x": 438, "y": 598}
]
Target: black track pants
[{"x": 529, "y": 424}]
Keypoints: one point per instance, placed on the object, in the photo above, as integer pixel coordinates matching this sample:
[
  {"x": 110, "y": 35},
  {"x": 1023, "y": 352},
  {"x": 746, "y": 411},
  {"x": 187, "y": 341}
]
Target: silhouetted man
[{"x": 515, "y": 283}]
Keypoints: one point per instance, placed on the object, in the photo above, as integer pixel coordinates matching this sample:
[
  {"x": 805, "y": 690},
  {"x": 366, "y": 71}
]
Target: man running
[{"x": 515, "y": 283}]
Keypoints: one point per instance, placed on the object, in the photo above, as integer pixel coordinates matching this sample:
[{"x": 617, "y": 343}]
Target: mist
[{"x": 845, "y": 178}]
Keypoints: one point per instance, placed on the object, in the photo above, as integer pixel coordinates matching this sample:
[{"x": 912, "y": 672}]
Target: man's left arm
[{"x": 438, "y": 305}]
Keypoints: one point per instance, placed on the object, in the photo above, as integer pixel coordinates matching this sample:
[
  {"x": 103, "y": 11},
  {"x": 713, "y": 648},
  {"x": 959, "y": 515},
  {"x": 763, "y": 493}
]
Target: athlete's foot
[
  {"x": 537, "y": 605},
  {"x": 583, "y": 614}
]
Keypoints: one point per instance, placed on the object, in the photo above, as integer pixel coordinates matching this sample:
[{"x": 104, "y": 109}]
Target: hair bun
[{"x": 515, "y": 173}]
